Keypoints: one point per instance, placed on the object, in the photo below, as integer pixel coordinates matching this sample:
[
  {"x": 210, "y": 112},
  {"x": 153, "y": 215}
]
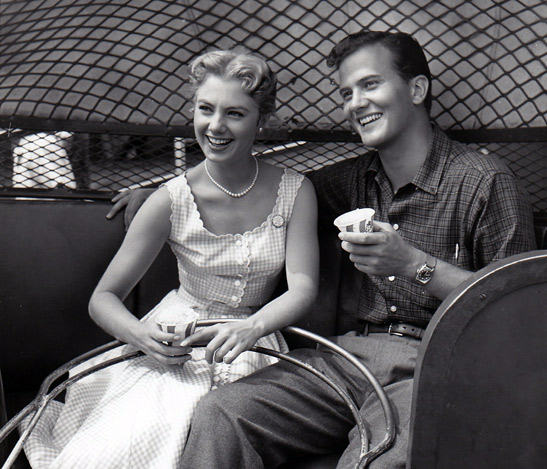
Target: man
[{"x": 442, "y": 212}]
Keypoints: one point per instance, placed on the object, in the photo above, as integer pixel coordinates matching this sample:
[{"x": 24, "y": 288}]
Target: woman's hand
[
  {"x": 150, "y": 339},
  {"x": 226, "y": 341}
]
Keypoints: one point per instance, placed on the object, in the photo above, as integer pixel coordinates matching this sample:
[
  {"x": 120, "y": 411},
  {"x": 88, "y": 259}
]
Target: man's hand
[
  {"x": 131, "y": 200},
  {"x": 382, "y": 252}
]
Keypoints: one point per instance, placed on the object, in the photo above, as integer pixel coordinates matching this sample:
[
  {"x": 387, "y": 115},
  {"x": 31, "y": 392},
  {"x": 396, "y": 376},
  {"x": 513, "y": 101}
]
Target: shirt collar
[{"x": 429, "y": 175}]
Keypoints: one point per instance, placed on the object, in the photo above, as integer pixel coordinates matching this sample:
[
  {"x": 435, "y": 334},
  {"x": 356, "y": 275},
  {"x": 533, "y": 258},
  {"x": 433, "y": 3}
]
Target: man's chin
[{"x": 368, "y": 140}]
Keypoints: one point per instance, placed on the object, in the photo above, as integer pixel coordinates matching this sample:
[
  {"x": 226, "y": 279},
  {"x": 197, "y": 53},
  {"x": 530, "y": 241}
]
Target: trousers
[{"x": 283, "y": 412}]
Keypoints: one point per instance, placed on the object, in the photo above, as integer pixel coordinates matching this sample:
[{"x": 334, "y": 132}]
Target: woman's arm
[
  {"x": 227, "y": 341},
  {"x": 143, "y": 241}
]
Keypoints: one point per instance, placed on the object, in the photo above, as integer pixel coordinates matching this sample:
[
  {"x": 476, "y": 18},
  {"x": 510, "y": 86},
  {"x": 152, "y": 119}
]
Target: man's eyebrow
[
  {"x": 361, "y": 81},
  {"x": 369, "y": 77}
]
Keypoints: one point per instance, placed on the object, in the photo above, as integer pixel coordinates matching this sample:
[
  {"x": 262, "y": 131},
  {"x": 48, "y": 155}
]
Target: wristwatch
[{"x": 425, "y": 272}]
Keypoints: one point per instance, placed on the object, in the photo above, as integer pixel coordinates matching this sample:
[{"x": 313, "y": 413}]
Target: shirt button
[
  {"x": 237, "y": 283},
  {"x": 393, "y": 308},
  {"x": 395, "y": 226},
  {"x": 391, "y": 278},
  {"x": 234, "y": 298},
  {"x": 240, "y": 261},
  {"x": 216, "y": 379},
  {"x": 238, "y": 242}
]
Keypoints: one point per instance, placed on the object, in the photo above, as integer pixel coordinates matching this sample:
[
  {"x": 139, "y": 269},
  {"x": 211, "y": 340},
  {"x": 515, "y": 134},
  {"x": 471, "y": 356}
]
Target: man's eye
[
  {"x": 346, "y": 95},
  {"x": 204, "y": 108},
  {"x": 371, "y": 84}
]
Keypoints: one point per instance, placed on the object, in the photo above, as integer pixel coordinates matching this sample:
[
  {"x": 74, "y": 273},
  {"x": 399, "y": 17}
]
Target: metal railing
[{"x": 52, "y": 386}]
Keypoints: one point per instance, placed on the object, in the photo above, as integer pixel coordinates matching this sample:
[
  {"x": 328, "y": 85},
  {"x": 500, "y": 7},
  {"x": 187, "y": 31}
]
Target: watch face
[{"x": 424, "y": 274}]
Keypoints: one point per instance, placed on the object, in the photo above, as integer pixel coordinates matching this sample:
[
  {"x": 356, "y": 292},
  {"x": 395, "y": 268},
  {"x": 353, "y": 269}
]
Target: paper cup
[
  {"x": 359, "y": 220},
  {"x": 179, "y": 320}
]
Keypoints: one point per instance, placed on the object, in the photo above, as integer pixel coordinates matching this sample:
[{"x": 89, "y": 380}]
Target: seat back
[
  {"x": 53, "y": 255},
  {"x": 480, "y": 381}
]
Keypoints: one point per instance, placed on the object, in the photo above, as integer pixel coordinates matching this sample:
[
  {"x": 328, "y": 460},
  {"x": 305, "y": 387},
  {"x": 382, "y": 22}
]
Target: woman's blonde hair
[{"x": 256, "y": 77}]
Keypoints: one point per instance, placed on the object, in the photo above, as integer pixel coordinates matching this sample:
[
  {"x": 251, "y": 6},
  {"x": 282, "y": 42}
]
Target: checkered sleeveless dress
[{"x": 137, "y": 414}]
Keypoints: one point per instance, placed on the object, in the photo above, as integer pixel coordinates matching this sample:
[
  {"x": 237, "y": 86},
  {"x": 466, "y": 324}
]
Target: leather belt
[{"x": 396, "y": 328}]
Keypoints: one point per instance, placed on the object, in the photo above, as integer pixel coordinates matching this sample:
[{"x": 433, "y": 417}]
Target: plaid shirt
[{"x": 463, "y": 207}]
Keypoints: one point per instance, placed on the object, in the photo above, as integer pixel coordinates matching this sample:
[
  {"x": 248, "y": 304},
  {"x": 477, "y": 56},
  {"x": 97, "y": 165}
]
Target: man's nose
[{"x": 358, "y": 100}]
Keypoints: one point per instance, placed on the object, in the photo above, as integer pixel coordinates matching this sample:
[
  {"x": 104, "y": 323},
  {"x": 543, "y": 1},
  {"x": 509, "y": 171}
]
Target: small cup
[
  {"x": 180, "y": 321},
  {"x": 358, "y": 220}
]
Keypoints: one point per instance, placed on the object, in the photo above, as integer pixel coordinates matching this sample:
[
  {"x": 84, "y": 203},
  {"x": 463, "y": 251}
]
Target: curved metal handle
[
  {"x": 365, "y": 457},
  {"x": 43, "y": 397}
]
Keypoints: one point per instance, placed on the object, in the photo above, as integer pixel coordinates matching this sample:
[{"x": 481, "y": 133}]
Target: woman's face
[{"x": 225, "y": 119}]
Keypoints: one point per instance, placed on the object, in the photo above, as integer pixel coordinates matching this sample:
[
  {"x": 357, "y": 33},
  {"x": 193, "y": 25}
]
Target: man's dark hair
[{"x": 408, "y": 56}]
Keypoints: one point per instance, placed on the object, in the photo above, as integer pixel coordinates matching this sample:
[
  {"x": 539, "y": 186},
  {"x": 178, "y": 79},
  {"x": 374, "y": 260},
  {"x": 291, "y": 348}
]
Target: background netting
[{"x": 94, "y": 94}]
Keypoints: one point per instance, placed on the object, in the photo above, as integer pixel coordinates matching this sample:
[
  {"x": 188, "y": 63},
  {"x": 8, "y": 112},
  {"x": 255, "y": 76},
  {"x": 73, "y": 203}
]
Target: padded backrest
[
  {"x": 53, "y": 253},
  {"x": 540, "y": 226},
  {"x": 479, "y": 392}
]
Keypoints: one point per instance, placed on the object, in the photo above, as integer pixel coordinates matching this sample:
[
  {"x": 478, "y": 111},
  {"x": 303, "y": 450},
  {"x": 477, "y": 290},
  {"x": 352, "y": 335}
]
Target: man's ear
[{"x": 419, "y": 86}]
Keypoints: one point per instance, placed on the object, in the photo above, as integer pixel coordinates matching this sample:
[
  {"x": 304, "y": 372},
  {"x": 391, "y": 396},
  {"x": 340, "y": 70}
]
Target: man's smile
[{"x": 370, "y": 118}]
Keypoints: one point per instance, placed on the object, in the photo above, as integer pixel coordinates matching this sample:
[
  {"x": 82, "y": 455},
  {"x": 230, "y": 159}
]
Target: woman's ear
[
  {"x": 261, "y": 123},
  {"x": 419, "y": 87}
]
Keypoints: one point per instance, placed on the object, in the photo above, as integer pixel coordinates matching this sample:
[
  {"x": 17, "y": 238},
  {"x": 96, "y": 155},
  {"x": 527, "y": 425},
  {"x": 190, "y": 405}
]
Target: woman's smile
[{"x": 217, "y": 142}]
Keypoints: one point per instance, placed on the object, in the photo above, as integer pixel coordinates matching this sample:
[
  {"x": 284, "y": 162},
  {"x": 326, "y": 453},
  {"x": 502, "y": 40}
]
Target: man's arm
[
  {"x": 131, "y": 200},
  {"x": 501, "y": 224},
  {"x": 384, "y": 253}
]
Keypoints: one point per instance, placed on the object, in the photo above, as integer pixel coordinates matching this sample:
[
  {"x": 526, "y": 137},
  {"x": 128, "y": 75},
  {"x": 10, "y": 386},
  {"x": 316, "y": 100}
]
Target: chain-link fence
[{"x": 94, "y": 94}]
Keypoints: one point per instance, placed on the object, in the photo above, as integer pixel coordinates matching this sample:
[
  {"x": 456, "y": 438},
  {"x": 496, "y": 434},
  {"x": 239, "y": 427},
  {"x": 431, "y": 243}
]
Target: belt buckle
[{"x": 390, "y": 332}]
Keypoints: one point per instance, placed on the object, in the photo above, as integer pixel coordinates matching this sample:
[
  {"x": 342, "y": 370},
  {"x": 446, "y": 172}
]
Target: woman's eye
[
  {"x": 370, "y": 84},
  {"x": 236, "y": 113},
  {"x": 204, "y": 108}
]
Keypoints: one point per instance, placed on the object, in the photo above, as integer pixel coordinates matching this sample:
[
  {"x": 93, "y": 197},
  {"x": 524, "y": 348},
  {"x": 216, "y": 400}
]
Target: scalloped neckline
[{"x": 197, "y": 213}]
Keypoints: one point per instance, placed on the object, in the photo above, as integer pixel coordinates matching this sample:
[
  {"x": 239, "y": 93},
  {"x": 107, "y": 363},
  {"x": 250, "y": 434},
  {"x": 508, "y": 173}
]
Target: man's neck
[{"x": 403, "y": 159}]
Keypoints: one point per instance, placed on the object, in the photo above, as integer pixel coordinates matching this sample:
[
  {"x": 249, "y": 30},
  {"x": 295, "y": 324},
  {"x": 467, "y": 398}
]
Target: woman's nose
[{"x": 217, "y": 122}]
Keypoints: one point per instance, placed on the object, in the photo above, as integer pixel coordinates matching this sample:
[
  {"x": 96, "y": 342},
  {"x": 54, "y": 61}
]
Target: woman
[{"x": 233, "y": 223}]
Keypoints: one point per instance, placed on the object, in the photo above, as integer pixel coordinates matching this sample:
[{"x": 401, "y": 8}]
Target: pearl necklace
[{"x": 230, "y": 193}]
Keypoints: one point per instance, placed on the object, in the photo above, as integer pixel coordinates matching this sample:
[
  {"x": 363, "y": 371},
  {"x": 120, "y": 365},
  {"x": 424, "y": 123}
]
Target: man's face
[{"x": 377, "y": 100}]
